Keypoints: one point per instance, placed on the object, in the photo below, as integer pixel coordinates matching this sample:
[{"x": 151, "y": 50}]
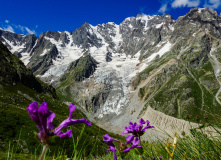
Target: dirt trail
[{"x": 144, "y": 82}]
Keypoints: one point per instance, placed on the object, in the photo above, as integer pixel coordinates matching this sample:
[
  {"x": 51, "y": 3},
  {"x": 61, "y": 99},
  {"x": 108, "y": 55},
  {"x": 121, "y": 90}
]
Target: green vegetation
[
  {"x": 182, "y": 82},
  {"x": 79, "y": 69},
  {"x": 197, "y": 145}
]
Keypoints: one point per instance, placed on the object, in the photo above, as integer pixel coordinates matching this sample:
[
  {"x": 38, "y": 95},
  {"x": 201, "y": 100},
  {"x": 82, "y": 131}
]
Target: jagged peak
[
  {"x": 167, "y": 16},
  {"x": 108, "y": 23},
  {"x": 203, "y": 13},
  {"x": 145, "y": 17},
  {"x": 51, "y": 34},
  {"x": 129, "y": 19},
  {"x": 85, "y": 25},
  {"x": 111, "y": 23}
]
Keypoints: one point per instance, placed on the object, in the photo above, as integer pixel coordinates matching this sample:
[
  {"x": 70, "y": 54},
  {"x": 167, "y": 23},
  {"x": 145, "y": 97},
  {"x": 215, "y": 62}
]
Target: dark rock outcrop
[{"x": 13, "y": 71}]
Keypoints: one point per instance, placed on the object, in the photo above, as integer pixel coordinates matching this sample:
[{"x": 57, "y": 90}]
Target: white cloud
[
  {"x": 163, "y": 8},
  {"x": 185, "y": 3},
  {"x": 29, "y": 31},
  {"x": 16, "y": 28},
  {"x": 36, "y": 26},
  {"x": 6, "y": 21},
  {"x": 213, "y": 4},
  {"x": 21, "y": 28},
  {"x": 9, "y": 28}
]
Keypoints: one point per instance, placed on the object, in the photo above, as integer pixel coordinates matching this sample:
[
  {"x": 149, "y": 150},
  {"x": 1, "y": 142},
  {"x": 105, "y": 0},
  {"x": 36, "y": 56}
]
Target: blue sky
[{"x": 37, "y": 16}]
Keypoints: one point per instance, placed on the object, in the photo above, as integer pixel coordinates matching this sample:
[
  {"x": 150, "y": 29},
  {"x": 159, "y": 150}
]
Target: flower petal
[
  {"x": 129, "y": 139},
  {"x": 111, "y": 148},
  {"x": 127, "y": 149},
  {"x": 44, "y": 113},
  {"x": 136, "y": 141},
  {"x": 69, "y": 122},
  {"x": 124, "y": 132},
  {"x": 133, "y": 146},
  {"x": 147, "y": 127},
  {"x": 108, "y": 138},
  {"x": 65, "y": 135},
  {"x": 141, "y": 121},
  {"x": 72, "y": 109},
  {"x": 33, "y": 112},
  {"x": 49, "y": 120}
]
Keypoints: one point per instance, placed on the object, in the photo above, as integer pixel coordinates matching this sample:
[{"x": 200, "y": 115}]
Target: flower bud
[
  {"x": 168, "y": 144},
  {"x": 174, "y": 140}
]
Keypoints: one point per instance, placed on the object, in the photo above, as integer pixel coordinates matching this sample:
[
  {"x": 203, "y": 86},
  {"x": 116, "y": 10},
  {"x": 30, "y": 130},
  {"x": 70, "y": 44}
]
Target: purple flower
[
  {"x": 43, "y": 118},
  {"x": 137, "y": 130},
  {"x": 109, "y": 140},
  {"x": 135, "y": 142},
  {"x": 130, "y": 140}
]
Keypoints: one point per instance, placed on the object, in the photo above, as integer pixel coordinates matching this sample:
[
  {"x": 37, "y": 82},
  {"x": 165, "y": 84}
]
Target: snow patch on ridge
[
  {"x": 67, "y": 54},
  {"x": 159, "y": 25},
  {"x": 14, "y": 47},
  {"x": 18, "y": 47},
  {"x": 25, "y": 58},
  {"x": 44, "y": 52},
  {"x": 161, "y": 52},
  {"x": 145, "y": 19}
]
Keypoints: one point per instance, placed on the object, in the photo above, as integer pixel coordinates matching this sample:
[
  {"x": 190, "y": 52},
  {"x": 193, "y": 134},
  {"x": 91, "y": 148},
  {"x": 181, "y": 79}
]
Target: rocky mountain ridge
[{"x": 128, "y": 54}]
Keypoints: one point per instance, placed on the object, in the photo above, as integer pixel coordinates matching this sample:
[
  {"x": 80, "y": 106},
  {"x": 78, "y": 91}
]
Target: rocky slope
[{"x": 145, "y": 61}]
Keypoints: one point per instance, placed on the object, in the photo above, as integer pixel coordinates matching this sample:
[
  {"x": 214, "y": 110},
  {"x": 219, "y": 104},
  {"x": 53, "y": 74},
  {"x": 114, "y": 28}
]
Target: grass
[
  {"x": 196, "y": 145},
  {"x": 14, "y": 118}
]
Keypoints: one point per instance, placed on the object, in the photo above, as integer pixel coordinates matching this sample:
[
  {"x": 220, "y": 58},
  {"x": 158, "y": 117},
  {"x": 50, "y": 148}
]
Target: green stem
[
  {"x": 44, "y": 151},
  {"x": 140, "y": 145}
]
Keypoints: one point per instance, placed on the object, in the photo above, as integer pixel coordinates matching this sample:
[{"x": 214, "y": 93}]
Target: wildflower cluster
[
  {"x": 132, "y": 140},
  {"x": 137, "y": 130}
]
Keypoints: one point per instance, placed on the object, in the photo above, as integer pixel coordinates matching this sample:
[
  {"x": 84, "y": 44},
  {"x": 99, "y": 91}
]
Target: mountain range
[{"x": 144, "y": 66}]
